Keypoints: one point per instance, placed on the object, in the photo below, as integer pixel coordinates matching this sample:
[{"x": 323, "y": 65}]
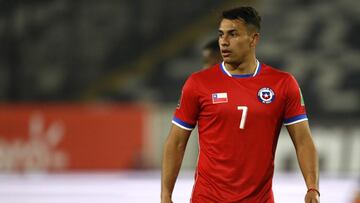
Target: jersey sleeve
[
  {"x": 294, "y": 108},
  {"x": 186, "y": 112}
]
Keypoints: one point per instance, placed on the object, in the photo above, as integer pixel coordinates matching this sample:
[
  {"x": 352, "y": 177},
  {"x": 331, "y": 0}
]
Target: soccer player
[
  {"x": 239, "y": 107},
  {"x": 211, "y": 54}
]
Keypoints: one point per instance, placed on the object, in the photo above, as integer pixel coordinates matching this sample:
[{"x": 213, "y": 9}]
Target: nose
[{"x": 223, "y": 41}]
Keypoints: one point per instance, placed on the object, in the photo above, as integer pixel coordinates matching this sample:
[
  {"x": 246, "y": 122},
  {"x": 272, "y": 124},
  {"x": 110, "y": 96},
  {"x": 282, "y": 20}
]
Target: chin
[{"x": 228, "y": 60}]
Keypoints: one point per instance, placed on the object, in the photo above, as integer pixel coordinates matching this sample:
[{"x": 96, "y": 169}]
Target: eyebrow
[{"x": 229, "y": 30}]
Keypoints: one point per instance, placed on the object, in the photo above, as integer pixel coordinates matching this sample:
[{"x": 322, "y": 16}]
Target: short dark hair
[
  {"x": 248, "y": 14},
  {"x": 212, "y": 45}
]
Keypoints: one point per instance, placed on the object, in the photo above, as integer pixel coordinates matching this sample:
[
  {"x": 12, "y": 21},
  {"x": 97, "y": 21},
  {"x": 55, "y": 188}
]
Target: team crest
[{"x": 266, "y": 95}]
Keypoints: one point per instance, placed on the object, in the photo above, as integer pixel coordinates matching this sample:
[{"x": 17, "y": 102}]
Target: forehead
[{"x": 227, "y": 25}]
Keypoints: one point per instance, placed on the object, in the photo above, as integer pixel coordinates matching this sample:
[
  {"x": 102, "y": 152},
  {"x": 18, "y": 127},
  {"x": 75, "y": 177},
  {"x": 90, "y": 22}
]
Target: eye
[
  {"x": 220, "y": 34},
  {"x": 233, "y": 34}
]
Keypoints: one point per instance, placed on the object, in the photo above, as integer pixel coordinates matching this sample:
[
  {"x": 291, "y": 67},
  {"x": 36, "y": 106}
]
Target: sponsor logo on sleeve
[
  {"x": 179, "y": 101},
  {"x": 301, "y": 98}
]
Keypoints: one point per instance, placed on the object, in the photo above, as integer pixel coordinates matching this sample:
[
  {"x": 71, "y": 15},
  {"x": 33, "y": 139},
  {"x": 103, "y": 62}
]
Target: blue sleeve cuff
[
  {"x": 182, "y": 124},
  {"x": 295, "y": 119}
]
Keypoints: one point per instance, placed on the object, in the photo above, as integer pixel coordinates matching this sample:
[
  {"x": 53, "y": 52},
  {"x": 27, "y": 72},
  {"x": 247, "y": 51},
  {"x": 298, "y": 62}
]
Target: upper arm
[
  {"x": 300, "y": 133},
  {"x": 186, "y": 114},
  {"x": 178, "y": 136},
  {"x": 295, "y": 118}
]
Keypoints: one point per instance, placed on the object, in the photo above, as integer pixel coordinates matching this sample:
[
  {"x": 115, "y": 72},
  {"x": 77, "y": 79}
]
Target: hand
[{"x": 312, "y": 197}]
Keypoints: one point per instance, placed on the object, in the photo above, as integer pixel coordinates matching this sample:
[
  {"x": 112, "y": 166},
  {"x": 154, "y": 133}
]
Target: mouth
[{"x": 225, "y": 53}]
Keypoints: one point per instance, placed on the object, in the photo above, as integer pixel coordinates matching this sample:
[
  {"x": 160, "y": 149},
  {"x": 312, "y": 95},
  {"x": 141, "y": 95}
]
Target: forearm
[
  {"x": 308, "y": 161},
  {"x": 172, "y": 158}
]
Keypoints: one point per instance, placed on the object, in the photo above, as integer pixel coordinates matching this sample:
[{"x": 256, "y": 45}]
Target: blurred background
[{"x": 88, "y": 89}]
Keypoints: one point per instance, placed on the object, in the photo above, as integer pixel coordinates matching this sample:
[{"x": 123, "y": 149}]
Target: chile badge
[{"x": 266, "y": 95}]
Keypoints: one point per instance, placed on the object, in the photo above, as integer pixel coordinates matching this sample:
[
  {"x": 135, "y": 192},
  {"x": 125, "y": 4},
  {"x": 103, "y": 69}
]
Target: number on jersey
[{"x": 244, "y": 110}]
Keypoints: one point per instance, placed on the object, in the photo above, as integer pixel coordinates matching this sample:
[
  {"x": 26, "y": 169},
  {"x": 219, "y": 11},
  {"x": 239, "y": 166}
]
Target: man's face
[{"x": 235, "y": 41}]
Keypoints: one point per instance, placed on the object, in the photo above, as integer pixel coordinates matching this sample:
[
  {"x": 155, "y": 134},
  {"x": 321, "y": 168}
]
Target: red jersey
[{"x": 239, "y": 119}]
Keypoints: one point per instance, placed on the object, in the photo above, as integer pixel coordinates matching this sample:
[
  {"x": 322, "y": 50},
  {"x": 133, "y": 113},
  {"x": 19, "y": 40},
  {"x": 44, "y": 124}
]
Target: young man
[
  {"x": 239, "y": 107},
  {"x": 211, "y": 54}
]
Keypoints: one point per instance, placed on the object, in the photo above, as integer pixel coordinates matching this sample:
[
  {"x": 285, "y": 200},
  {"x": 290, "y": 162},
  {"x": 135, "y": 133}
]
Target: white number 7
[{"x": 243, "y": 116}]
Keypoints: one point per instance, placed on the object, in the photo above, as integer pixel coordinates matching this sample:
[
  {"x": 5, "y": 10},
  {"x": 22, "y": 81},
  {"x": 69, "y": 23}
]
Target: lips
[{"x": 225, "y": 53}]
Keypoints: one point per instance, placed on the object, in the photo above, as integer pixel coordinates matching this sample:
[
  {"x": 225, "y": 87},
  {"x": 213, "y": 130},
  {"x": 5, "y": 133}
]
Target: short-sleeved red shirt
[{"x": 239, "y": 119}]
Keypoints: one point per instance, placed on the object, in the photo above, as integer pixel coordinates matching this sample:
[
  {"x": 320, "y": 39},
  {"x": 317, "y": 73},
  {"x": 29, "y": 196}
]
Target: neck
[{"x": 246, "y": 67}]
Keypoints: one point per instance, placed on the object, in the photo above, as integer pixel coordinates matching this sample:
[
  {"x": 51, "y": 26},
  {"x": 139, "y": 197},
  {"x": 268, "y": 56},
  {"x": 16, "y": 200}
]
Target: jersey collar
[{"x": 226, "y": 72}]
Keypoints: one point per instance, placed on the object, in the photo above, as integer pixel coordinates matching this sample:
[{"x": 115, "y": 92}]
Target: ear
[{"x": 255, "y": 37}]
